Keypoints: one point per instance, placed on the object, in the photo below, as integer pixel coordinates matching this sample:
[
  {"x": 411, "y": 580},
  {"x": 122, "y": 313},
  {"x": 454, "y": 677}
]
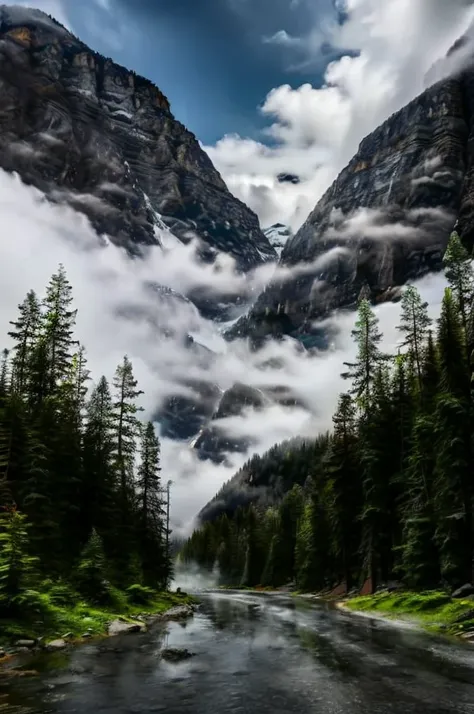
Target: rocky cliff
[
  {"x": 97, "y": 136},
  {"x": 385, "y": 220},
  {"x": 278, "y": 236}
]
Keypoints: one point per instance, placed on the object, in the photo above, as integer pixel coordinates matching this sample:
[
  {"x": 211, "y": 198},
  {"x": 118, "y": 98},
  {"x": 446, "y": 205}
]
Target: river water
[{"x": 256, "y": 654}]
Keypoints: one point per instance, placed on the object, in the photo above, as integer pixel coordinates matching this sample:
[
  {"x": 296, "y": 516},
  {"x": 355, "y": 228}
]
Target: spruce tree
[
  {"x": 16, "y": 564},
  {"x": 99, "y": 496},
  {"x": 58, "y": 328},
  {"x": 367, "y": 338},
  {"x": 91, "y": 572},
  {"x": 460, "y": 275},
  {"x": 254, "y": 557},
  {"x": 342, "y": 464},
  {"x": 25, "y": 334},
  {"x": 453, "y": 489},
  {"x": 414, "y": 324},
  {"x": 150, "y": 511},
  {"x": 127, "y": 432}
]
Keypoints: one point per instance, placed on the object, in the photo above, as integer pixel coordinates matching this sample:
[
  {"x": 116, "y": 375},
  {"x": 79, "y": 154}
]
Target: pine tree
[
  {"x": 343, "y": 467},
  {"x": 460, "y": 275},
  {"x": 362, "y": 372},
  {"x": 377, "y": 463},
  {"x": 127, "y": 431},
  {"x": 414, "y": 325},
  {"x": 58, "y": 328},
  {"x": 453, "y": 490},
  {"x": 25, "y": 334},
  {"x": 16, "y": 565},
  {"x": 99, "y": 500},
  {"x": 80, "y": 375},
  {"x": 4, "y": 376},
  {"x": 254, "y": 557},
  {"x": 91, "y": 571},
  {"x": 151, "y": 512}
]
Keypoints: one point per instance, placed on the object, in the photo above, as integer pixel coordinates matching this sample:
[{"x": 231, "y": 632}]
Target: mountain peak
[
  {"x": 95, "y": 135},
  {"x": 18, "y": 15},
  {"x": 278, "y": 235}
]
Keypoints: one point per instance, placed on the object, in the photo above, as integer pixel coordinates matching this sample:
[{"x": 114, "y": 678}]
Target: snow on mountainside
[{"x": 278, "y": 235}]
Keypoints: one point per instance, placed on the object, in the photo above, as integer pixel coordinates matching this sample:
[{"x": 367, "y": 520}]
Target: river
[{"x": 256, "y": 654}]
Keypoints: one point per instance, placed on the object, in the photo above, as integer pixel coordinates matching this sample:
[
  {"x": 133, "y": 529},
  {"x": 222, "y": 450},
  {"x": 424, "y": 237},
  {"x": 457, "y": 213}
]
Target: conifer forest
[
  {"x": 388, "y": 493},
  {"x": 82, "y": 503}
]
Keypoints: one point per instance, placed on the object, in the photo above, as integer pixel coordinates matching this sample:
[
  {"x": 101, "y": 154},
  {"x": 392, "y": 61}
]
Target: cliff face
[
  {"x": 97, "y": 136},
  {"x": 385, "y": 220}
]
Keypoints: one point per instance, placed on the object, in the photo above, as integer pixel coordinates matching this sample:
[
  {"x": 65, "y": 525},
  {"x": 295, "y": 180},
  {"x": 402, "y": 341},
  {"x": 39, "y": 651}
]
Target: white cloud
[
  {"x": 317, "y": 129},
  {"x": 117, "y": 314}
]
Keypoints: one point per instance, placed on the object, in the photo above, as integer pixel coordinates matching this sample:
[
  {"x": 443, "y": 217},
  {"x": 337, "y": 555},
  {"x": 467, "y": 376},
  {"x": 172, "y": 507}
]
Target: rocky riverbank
[{"x": 16, "y": 653}]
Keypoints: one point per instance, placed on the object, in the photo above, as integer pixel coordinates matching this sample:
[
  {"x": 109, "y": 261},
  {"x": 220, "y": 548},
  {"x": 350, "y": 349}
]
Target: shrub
[
  {"x": 31, "y": 601},
  {"x": 139, "y": 595},
  {"x": 90, "y": 574},
  {"x": 16, "y": 565},
  {"x": 62, "y": 595}
]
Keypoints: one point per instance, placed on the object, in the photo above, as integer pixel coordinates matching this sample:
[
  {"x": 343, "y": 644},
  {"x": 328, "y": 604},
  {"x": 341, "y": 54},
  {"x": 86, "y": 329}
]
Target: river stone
[
  {"x": 176, "y": 654},
  {"x": 2, "y": 654},
  {"x": 29, "y": 644},
  {"x": 464, "y": 591},
  {"x": 117, "y": 627},
  {"x": 180, "y": 612},
  {"x": 56, "y": 645},
  {"x": 86, "y": 635}
]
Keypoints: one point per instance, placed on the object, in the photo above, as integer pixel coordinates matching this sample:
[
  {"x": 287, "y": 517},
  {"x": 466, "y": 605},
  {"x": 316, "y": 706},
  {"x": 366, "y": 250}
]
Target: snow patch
[{"x": 278, "y": 235}]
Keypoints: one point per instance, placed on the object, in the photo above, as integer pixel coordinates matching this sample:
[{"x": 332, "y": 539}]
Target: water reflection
[{"x": 256, "y": 653}]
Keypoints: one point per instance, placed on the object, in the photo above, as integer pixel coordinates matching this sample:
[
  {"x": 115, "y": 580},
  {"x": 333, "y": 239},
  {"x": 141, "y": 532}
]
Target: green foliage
[
  {"x": 139, "y": 594},
  {"x": 91, "y": 571},
  {"x": 61, "y": 593},
  {"x": 16, "y": 565},
  {"x": 67, "y": 468},
  {"x": 367, "y": 337},
  {"x": 433, "y": 608},
  {"x": 460, "y": 275},
  {"x": 389, "y": 493}
]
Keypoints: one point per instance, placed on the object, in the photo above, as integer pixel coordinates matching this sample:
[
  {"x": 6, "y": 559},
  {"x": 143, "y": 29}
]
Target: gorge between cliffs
[{"x": 237, "y": 370}]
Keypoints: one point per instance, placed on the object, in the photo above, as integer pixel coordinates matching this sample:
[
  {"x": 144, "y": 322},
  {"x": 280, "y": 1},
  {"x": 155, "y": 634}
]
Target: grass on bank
[
  {"x": 57, "y": 610},
  {"x": 435, "y": 610}
]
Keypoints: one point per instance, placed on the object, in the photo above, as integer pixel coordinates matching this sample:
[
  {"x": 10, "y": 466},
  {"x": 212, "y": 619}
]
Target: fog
[{"x": 118, "y": 314}]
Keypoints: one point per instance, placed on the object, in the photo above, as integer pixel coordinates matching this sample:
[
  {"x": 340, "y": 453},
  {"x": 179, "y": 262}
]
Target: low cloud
[
  {"x": 118, "y": 313},
  {"x": 388, "y": 50}
]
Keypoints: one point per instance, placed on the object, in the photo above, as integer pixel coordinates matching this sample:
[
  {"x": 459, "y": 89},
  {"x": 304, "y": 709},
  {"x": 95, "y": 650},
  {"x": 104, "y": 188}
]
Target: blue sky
[
  {"x": 212, "y": 58},
  {"x": 274, "y": 86}
]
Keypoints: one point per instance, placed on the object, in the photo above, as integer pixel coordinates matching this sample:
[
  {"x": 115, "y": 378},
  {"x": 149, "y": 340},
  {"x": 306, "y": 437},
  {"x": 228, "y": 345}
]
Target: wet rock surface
[
  {"x": 102, "y": 139},
  {"x": 385, "y": 220},
  {"x": 176, "y": 654},
  {"x": 118, "y": 627}
]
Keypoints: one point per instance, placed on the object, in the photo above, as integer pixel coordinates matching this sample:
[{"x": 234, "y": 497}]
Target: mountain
[
  {"x": 278, "y": 235},
  {"x": 95, "y": 135},
  {"x": 385, "y": 220}
]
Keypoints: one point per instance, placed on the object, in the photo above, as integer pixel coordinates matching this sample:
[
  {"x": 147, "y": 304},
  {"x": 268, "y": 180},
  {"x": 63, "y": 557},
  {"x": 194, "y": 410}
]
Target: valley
[{"x": 200, "y": 397}]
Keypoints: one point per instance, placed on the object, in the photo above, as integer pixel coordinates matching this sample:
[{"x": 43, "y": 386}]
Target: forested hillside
[
  {"x": 77, "y": 509},
  {"x": 389, "y": 493}
]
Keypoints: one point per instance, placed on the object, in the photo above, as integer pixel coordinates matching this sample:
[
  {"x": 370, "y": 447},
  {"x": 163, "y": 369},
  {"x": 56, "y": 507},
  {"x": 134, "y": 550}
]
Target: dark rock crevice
[
  {"x": 97, "y": 136},
  {"x": 386, "y": 219}
]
